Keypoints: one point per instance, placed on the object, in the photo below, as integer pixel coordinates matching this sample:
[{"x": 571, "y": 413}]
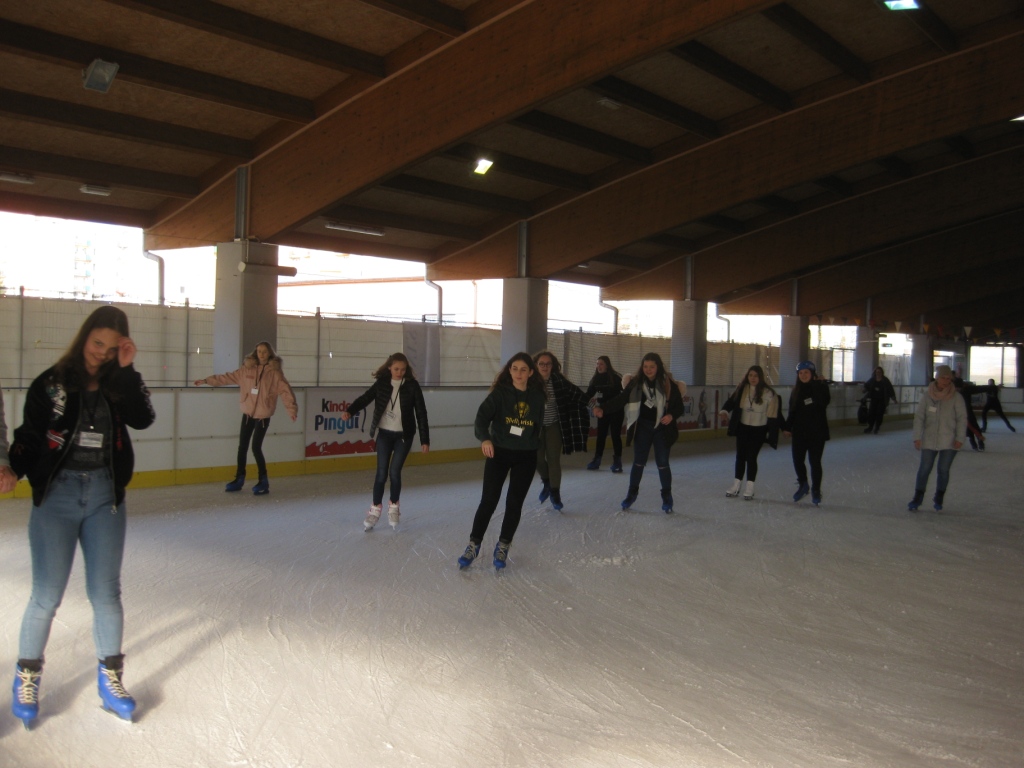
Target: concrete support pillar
[
  {"x": 689, "y": 345},
  {"x": 246, "y": 302},
  {"x": 524, "y": 316},
  {"x": 920, "y": 360},
  {"x": 796, "y": 347},
  {"x": 865, "y": 356}
]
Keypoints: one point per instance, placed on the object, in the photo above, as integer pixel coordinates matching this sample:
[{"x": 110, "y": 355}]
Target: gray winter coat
[{"x": 940, "y": 423}]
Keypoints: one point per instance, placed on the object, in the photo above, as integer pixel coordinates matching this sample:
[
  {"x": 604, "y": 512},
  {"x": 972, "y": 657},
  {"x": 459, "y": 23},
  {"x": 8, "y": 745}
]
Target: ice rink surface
[{"x": 266, "y": 632}]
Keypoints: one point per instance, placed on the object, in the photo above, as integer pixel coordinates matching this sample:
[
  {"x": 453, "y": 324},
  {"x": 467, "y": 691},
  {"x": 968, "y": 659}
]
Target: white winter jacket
[{"x": 940, "y": 423}]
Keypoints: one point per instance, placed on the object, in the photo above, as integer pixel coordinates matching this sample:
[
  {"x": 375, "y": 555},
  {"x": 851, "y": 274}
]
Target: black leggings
[
  {"x": 520, "y": 465},
  {"x": 610, "y": 424},
  {"x": 748, "y": 444},
  {"x": 256, "y": 429}
]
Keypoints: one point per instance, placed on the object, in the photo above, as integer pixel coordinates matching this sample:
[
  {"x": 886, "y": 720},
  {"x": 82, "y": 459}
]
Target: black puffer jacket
[
  {"x": 807, "y": 416},
  {"x": 51, "y": 423}
]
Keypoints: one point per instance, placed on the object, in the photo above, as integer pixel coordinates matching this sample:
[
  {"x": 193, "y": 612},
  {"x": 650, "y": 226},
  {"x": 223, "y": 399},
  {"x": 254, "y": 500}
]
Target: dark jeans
[
  {"x": 803, "y": 448},
  {"x": 748, "y": 444},
  {"x": 610, "y": 424},
  {"x": 392, "y": 450},
  {"x": 520, "y": 465},
  {"x": 925, "y": 468},
  {"x": 993, "y": 405},
  {"x": 256, "y": 429},
  {"x": 645, "y": 437}
]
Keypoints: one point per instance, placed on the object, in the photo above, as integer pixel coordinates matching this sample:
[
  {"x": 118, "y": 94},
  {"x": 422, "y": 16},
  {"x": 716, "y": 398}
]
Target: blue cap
[{"x": 806, "y": 365}]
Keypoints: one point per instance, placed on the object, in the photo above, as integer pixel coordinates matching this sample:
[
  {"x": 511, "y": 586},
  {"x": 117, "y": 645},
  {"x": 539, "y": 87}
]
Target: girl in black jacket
[
  {"x": 605, "y": 384},
  {"x": 565, "y": 427},
  {"x": 74, "y": 447},
  {"x": 398, "y": 409},
  {"x": 807, "y": 423}
]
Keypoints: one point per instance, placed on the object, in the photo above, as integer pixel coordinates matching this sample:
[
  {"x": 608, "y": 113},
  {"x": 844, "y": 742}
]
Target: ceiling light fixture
[
  {"x": 99, "y": 75},
  {"x": 901, "y": 5},
  {"x": 1018, "y": 119},
  {"x": 95, "y": 189},
  {"x": 483, "y": 165},
  {"x": 359, "y": 230},
  {"x": 17, "y": 178},
  {"x": 607, "y": 103}
]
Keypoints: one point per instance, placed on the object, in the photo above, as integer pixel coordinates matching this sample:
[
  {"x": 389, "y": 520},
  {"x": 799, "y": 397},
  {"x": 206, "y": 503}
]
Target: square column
[
  {"x": 796, "y": 347},
  {"x": 920, "y": 360},
  {"x": 524, "y": 316},
  {"x": 865, "y": 356},
  {"x": 689, "y": 345},
  {"x": 245, "y": 310}
]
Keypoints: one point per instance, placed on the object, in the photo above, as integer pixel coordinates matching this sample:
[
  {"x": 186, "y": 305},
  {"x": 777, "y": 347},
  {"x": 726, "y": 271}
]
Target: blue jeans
[
  {"x": 927, "y": 460},
  {"x": 392, "y": 450},
  {"x": 645, "y": 437},
  {"x": 78, "y": 508}
]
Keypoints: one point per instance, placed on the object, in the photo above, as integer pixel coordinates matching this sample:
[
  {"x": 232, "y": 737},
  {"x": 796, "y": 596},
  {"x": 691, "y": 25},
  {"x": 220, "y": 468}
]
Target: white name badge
[
  {"x": 650, "y": 403},
  {"x": 808, "y": 401},
  {"x": 254, "y": 391},
  {"x": 90, "y": 439},
  {"x": 932, "y": 409},
  {"x": 517, "y": 431}
]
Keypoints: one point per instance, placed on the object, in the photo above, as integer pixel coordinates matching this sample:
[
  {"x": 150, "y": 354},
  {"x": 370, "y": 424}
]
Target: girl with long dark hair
[
  {"x": 652, "y": 402},
  {"x": 807, "y": 424},
  {"x": 74, "y": 447},
  {"x": 565, "y": 426},
  {"x": 753, "y": 420},
  {"x": 398, "y": 408},
  {"x": 605, "y": 384},
  {"x": 507, "y": 425}
]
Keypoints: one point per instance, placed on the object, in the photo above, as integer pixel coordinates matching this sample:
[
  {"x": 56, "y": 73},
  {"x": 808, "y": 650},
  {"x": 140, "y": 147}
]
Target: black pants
[
  {"x": 520, "y": 465},
  {"x": 255, "y": 429},
  {"x": 813, "y": 449},
  {"x": 990, "y": 405},
  {"x": 610, "y": 424},
  {"x": 748, "y": 444},
  {"x": 876, "y": 411}
]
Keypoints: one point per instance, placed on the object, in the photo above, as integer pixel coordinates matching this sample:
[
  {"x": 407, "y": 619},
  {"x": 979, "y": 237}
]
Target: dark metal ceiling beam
[
  {"x": 451, "y": 193},
  {"x": 580, "y": 136},
  {"x": 521, "y": 167},
  {"x": 656, "y": 106},
  {"x": 120, "y": 125},
  {"x": 702, "y": 57},
  {"x": 427, "y": 13},
  {"x": 93, "y": 172},
  {"x": 255, "y": 30},
  {"x": 155, "y": 74},
  {"x": 819, "y": 41},
  {"x": 358, "y": 215}
]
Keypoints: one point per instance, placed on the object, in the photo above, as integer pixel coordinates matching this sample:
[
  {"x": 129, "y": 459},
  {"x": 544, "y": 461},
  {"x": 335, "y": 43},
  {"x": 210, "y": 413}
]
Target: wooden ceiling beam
[
  {"x": 475, "y": 82},
  {"x": 522, "y": 167},
  {"x": 656, "y": 106},
  {"x": 452, "y": 193},
  {"x": 358, "y": 215},
  {"x": 716, "y": 65},
  {"x": 297, "y": 239},
  {"x": 807, "y": 32},
  {"x": 933, "y": 27},
  {"x": 133, "y": 68},
  {"x": 93, "y": 172},
  {"x": 943, "y": 98},
  {"x": 427, "y": 13},
  {"x": 941, "y": 254},
  {"x": 104, "y": 122},
  {"x": 60, "y": 208},
  {"x": 581, "y": 136},
  {"x": 251, "y": 29}
]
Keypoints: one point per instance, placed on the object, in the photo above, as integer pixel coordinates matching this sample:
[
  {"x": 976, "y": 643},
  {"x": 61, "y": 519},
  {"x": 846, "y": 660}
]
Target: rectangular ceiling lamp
[
  {"x": 17, "y": 178},
  {"x": 94, "y": 189},
  {"x": 359, "y": 230},
  {"x": 901, "y": 5},
  {"x": 99, "y": 75}
]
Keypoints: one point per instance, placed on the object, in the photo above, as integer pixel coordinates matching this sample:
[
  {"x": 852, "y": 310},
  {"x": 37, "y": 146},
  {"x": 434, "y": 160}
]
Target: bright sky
[{"x": 58, "y": 257}]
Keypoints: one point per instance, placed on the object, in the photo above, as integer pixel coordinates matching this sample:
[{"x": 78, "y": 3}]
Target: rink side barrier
[{"x": 195, "y": 436}]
